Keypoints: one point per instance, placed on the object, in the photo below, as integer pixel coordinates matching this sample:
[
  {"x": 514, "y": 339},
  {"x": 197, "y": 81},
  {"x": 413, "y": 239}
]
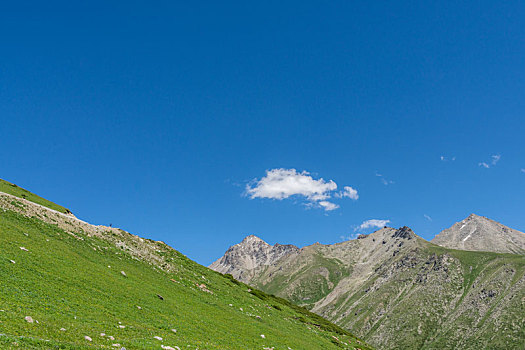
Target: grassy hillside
[
  {"x": 14, "y": 190},
  {"x": 306, "y": 285},
  {"x": 72, "y": 285}
]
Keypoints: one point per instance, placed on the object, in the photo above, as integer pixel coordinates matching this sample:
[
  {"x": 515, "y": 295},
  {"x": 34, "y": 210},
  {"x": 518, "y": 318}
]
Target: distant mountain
[
  {"x": 481, "y": 234},
  {"x": 67, "y": 284},
  {"x": 398, "y": 291},
  {"x": 243, "y": 259}
]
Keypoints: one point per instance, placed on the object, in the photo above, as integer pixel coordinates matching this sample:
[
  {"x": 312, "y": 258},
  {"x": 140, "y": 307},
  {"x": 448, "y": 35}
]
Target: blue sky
[{"x": 163, "y": 118}]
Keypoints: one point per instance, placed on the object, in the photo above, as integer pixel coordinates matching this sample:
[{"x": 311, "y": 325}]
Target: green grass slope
[
  {"x": 308, "y": 284},
  {"x": 73, "y": 286},
  {"x": 16, "y": 191}
]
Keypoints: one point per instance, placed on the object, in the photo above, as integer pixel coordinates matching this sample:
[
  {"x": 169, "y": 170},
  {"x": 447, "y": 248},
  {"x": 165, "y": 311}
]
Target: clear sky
[{"x": 197, "y": 123}]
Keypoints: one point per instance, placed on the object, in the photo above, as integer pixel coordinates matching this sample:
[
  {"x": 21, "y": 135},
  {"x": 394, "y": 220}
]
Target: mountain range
[{"x": 463, "y": 290}]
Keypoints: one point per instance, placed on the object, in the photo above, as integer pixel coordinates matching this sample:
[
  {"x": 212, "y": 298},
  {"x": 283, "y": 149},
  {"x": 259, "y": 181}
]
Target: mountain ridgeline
[
  {"x": 399, "y": 291},
  {"x": 66, "y": 284}
]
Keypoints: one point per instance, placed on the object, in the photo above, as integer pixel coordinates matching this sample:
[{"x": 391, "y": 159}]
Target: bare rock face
[
  {"x": 481, "y": 234},
  {"x": 241, "y": 260},
  {"x": 404, "y": 232}
]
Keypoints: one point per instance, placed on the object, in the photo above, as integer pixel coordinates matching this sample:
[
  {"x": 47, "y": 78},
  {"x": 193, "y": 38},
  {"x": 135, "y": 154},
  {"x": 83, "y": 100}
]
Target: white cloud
[
  {"x": 328, "y": 206},
  {"x": 383, "y": 180},
  {"x": 522, "y": 170},
  {"x": 348, "y": 192},
  {"x": 372, "y": 223},
  {"x": 446, "y": 159},
  {"x": 284, "y": 183},
  {"x": 483, "y": 164},
  {"x": 386, "y": 182},
  {"x": 495, "y": 159},
  {"x": 427, "y": 217}
]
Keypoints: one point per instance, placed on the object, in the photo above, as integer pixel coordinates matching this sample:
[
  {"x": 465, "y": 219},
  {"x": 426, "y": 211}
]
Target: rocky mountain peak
[
  {"x": 389, "y": 234},
  {"x": 252, "y": 238},
  {"x": 474, "y": 217},
  {"x": 404, "y": 232},
  {"x": 482, "y": 234},
  {"x": 241, "y": 260}
]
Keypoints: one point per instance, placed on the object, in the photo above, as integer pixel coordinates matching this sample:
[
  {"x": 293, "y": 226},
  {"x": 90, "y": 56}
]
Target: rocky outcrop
[
  {"x": 404, "y": 232},
  {"x": 481, "y": 234}
]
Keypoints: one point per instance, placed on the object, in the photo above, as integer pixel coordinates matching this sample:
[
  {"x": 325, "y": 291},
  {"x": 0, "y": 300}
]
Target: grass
[
  {"x": 309, "y": 285},
  {"x": 76, "y": 284},
  {"x": 19, "y": 192}
]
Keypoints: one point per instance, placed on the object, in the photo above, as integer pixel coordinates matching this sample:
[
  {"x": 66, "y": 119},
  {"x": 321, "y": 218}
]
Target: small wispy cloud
[
  {"x": 484, "y": 165},
  {"x": 427, "y": 217},
  {"x": 233, "y": 183},
  {"x": 372, "y": 223},
  {"x": 384, "y": 181},
  {"x": 348, "y": 192},
  {"x": 446, "y": 159},
  {"x": 522, "y": 170},
  {"x": 494, "y": 160},
  {"x": 328, "y": 206},
  {"x": 282, "y": 183}
]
